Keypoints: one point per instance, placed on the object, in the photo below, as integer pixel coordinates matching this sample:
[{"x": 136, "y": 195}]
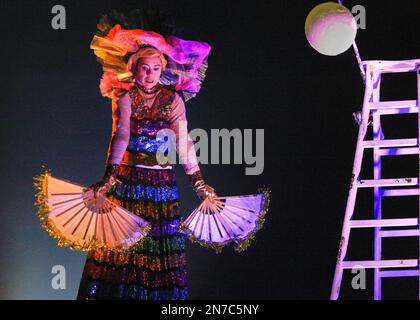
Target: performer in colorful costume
[{"x": 148, "y": 93}]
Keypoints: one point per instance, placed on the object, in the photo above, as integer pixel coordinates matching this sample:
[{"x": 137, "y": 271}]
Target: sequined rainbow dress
[{"x": 155, "y": 269}]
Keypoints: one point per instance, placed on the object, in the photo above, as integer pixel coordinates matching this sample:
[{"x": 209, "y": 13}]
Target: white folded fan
[
  {"x": 70, "y": 213},
  {"x": 216, "y": 223}
]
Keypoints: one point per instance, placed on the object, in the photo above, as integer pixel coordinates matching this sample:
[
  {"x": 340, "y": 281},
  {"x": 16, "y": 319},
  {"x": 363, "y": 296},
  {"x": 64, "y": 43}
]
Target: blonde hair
[{"x": 147, "y": 52}]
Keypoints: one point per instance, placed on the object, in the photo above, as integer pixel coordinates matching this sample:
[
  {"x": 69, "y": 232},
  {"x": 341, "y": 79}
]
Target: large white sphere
[{"x": 330, "y": 28}]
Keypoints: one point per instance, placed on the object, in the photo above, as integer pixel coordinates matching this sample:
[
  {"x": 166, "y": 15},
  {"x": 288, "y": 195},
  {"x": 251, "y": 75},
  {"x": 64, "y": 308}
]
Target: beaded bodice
[{"x": 149, "y": 114}]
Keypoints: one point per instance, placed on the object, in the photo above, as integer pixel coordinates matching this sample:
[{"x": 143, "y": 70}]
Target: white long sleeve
[
  {"x": 121, "y": 113},
  {"x": 184, "y": 143}
]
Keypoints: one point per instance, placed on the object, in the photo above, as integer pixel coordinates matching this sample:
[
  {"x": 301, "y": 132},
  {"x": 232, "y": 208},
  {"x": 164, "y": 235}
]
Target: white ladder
[{"x": 373, "y": 107}]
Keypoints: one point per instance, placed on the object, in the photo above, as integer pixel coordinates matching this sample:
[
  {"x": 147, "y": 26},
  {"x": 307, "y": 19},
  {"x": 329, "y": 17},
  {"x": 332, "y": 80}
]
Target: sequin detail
[
  {"x": 147, "y": 126},
  {"x": 154, "y": 269},
  {"x": 138, "y": 192},
  {"x": 134, "y": 292},
  {"x": 151, "y": 177},
  {"x": 143, "y": 143}
]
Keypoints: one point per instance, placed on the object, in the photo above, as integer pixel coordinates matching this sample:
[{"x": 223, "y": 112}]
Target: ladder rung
[
  {"x": 399, "y": 273},
  {"x": 397, "y": 151},
  {"x": 380, "y": 264},
  {"x": 398, "y": 233},
  {"x": 400, "y": 192},
  {"x": 387, "y": 182},
  {"x": 391, "y": 111},
  {"x": 383, "y": 223},
  {"x": 392, "y": 66},
  {"x": 384, "y": 105},
  {"x": 390, "y": 143}
]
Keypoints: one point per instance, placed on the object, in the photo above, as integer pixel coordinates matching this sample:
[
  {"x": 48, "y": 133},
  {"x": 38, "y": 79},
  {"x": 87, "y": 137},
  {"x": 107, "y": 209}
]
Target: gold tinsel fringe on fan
[
  {"x": 40, "y": 185},
  {"x": 243, "y": 244}
]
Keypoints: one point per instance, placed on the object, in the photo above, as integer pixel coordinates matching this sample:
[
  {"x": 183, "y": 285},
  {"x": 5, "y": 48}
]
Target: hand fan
[
  {"x": 216, "y": 223},
  {"x": 76, "y": 218}
]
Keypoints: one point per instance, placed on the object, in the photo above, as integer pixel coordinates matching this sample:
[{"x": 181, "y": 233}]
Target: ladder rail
[
  {"x": 377, "y": 193},
  {"x": 418, "y": 136},
  {"x": 357, "y": 164}
]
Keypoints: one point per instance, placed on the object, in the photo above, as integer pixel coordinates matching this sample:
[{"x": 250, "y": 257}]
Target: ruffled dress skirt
[{"x": 154, "y": 269}]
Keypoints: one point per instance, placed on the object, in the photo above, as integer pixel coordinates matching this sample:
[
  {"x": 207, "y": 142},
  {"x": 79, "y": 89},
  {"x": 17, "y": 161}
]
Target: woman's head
[{"x": 147, "y": 65}]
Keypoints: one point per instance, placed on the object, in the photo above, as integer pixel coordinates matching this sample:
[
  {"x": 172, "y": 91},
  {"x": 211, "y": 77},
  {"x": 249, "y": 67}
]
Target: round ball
[{"x": 330, "y": 28}]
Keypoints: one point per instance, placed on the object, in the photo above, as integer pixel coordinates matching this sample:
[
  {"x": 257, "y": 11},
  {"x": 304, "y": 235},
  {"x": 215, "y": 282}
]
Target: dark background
[{"x": 262, "y": 74}]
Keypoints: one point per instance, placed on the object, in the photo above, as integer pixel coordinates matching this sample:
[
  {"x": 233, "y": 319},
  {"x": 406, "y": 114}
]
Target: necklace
[
  {"x": 149, "y": 91},
  {"x": 139, "y": 100}
]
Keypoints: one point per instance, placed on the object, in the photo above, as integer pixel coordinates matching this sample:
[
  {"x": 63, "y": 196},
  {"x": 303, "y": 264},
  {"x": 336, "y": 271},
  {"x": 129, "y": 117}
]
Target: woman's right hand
[
  {"x": 107, "y": 181},
  {"x": 99, "y": 186}
]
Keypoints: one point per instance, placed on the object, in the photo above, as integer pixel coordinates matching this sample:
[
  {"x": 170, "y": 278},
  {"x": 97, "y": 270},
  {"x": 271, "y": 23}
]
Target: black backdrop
[{"x": 262, "y": 74}]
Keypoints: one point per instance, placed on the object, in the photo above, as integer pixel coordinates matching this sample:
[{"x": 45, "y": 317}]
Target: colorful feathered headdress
[{"x": 113, "y": 45}]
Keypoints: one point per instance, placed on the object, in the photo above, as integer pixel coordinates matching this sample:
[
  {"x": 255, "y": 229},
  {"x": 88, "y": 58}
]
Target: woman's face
[{"x": 149, "y": 71}]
